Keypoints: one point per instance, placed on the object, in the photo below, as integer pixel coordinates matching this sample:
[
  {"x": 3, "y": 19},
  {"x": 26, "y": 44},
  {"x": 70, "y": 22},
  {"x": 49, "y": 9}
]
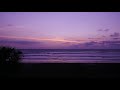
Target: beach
[{"x": 67, "y": 70}]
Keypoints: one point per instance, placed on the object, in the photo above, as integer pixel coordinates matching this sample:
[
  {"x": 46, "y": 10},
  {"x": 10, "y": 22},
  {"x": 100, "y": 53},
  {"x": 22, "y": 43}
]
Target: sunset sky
[{"x": 51, "y": 30}]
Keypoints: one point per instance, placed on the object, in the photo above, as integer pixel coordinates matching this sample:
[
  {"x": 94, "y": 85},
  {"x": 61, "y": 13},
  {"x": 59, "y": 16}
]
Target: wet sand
[{"x": 70, "y": 61}]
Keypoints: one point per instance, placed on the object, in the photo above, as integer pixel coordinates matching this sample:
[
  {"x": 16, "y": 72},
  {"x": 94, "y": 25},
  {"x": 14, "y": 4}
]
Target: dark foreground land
[{"x": 50, "y": 70}]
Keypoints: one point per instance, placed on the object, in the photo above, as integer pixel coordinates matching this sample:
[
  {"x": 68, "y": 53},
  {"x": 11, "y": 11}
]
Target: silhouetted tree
[{"x": 10, "y": 55}]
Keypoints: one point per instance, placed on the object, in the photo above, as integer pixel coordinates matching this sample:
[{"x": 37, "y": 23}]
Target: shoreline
[{"x": 69, "y": 61}]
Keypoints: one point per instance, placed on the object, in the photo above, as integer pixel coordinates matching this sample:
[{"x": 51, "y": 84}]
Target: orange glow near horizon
[{"x": 44, "y": 39}]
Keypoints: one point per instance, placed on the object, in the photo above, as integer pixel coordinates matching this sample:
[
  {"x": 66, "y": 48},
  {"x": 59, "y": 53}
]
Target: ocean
[{"x": 71, "y": 56}]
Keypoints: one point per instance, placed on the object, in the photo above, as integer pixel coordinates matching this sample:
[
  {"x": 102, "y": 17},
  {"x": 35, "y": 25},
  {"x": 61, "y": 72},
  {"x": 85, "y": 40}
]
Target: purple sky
[{"x": 60, "y": 29}]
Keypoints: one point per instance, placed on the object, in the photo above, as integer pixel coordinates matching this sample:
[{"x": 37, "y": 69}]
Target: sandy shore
[{"x": 53, "y": 69}]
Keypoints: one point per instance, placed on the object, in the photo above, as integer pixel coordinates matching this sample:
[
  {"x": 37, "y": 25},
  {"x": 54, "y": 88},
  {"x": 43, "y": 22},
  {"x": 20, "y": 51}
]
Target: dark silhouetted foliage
[{"x": 10, "y": 55}]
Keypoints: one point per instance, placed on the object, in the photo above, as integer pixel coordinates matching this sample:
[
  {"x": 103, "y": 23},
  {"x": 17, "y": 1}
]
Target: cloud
[
  {"x": 35, "y": 42},
  {"x": 84, "y": 45},
  {"x": 100, "y": 30},
  {"x": 116, "y": 34},
  {"x": 94, "y": 38},
  {"x": 90, "y": 43},
  {"x": 98, "y": 45},
  {"x": 116, "y": 38},
  {"x": 111, "y": 42},
  {"x": 22, "y": 44},
  {"x": 106, "y": 30},
  {"x": 12, "y": 28},
  {"x": 19, "y": 42},
  {"x": 40, "y": 39},
  {"x": 10, "y": 25}
]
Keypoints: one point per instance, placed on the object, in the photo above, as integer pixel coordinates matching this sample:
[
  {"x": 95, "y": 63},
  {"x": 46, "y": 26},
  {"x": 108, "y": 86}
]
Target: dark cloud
[
  {"x": 116, "y": 34},
  {"x": 22, "y": 44},
  {"x": 111, "y": 42},
  {"x": 94, "y": 38},
  {"x": 98, "y": 45},
  {"x": 114, "y": 45},
  {"x": 103, "y": 36},
  {"x": 19, "y": 42},
  {"x": 4, "y": 26},
  {"x": 100, "y": 30},
  {"x": 106, "y": 30},
  {"x": 84, "y": 45},
  {"x": 116, "y": 38},
  {"x": 103, "y": 30},
  {"x": 75, "y": 46},
  {"x": 90, "y": 43},
  {"x": 10, "y": 25}
]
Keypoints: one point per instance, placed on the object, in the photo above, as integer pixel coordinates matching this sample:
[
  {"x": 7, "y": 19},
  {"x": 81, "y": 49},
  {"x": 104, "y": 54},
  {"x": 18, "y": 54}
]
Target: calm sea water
[{"x": 70, "y": 55}]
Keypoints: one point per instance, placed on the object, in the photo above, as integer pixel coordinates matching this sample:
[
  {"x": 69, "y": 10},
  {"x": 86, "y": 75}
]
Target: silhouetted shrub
[{"x": 10, "y": 55}]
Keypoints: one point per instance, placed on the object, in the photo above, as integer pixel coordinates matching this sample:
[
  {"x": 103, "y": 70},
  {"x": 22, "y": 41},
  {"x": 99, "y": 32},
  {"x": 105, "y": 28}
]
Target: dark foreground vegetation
[
  {"x": 9, "y": 55},
  {"x": 9, "y": 59}
]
